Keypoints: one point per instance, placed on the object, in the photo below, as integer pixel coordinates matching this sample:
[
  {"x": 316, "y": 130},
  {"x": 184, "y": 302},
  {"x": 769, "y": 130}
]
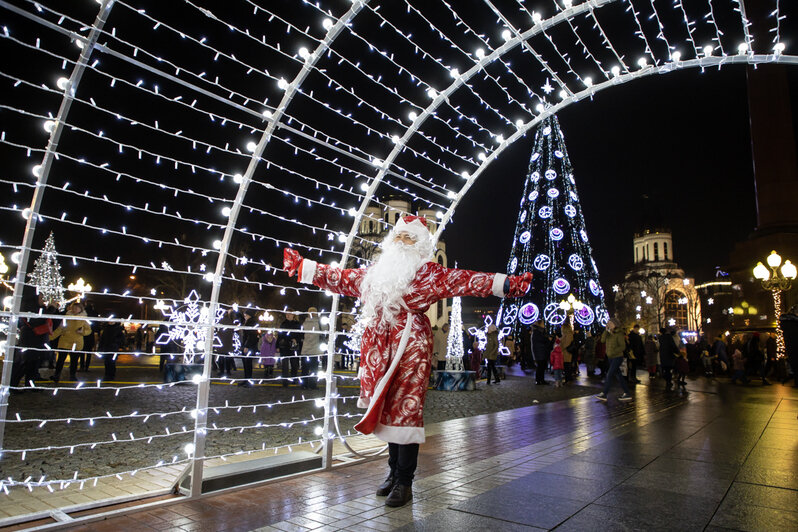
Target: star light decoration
[
  {"x": 481, "y": 335},
  {"x": 189, "y": 326}
]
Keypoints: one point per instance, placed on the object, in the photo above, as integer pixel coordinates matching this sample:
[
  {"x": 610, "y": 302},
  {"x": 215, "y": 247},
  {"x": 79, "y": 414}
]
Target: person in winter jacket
[
  {"x": 111, "y": 339},
  {"x": 34, "y": 334},
  {"x": 738, "y": 365},
  {"x": 651, "y": 350},
  {"x": 230, "y": 348},
  {"x": 668, "y": 350},
  {"x": 615, "y": 341},
  {"x": 249, "y": 346},
  {"x": 70, "y": 340},
  {"x": 567, "y": 345},
  {"x": 289, "y": 342},
  {"x": 311, "y": 349},
  {"x": 638, "y": 349},
  {"x": 557, "y": 362},
  {"x": 540, "y": 350},
  {"x": 492, "y": 352},
  {"x": 268, "y": 350}
]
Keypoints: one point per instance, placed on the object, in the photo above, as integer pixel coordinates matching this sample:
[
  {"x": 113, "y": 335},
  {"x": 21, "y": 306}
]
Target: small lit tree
[
  {"x": 454, "y": 344},
  {"x": 46, "y": 275}
]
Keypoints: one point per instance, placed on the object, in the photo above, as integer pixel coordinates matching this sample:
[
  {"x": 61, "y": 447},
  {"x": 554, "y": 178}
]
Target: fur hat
[{"x": 415, "y": 226}]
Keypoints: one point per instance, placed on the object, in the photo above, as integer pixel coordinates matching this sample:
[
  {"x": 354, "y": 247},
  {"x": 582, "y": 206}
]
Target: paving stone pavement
[
  {"x": 171, "y": 433},
  {"x": 712, "y": 457}
]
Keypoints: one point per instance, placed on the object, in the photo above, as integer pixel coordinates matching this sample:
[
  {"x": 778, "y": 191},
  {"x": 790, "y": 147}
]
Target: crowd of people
[
  {"x": 616, "y": 354},
  {"x": 46, "y": 343}
]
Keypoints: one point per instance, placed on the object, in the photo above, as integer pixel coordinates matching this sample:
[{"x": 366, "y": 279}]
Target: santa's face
[{"x": 405, "y": 239}]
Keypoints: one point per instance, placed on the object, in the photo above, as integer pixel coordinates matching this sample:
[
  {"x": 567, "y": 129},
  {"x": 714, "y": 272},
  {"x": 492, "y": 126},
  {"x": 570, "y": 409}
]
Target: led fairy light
[
  {"x": 640, "y": 32},
  {"x": 690, "y": 26},
  {"x": 446, "y": 147}
]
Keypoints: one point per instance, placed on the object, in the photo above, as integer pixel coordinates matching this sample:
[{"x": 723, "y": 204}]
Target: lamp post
[
  {"x": 777, "y": 278},
  {"x": 80, "y": 287},
  {"x": 569, "y": 306}
]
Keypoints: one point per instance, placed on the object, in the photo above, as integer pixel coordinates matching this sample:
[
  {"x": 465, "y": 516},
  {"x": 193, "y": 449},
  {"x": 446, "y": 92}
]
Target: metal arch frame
[
  {"x": 521, "y": 38},
  {"x": 203, "y": 390},
  {"x": 38, "y": 193}
]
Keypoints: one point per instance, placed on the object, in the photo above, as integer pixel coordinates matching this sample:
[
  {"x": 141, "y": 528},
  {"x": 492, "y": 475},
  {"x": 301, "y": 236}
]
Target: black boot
[
  {"x": 399, "y": 496},
  {"x": 386, "y": 487}
]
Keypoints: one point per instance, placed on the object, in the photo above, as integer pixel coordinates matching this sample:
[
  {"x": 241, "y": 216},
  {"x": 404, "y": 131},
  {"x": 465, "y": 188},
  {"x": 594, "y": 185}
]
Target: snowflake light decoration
[
  {"x": 189, "y": 326},
  {"x": 482, "y": 336}
]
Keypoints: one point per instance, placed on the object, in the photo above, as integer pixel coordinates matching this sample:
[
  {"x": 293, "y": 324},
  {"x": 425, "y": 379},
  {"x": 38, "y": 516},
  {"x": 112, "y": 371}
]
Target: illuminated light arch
[{"x": 343, "y": 25}]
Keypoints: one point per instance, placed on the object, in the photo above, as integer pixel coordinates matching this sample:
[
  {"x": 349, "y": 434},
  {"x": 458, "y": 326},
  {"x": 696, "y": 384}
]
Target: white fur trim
[
  {"x": 363, "y": 402},
  {"x": 498, "y": 284},
  {"x": 400, "y": 435},
  {"x": 414, "y": 228},
  {"x": 391, "y": 369},
  {"x": 308, "y": 271}
]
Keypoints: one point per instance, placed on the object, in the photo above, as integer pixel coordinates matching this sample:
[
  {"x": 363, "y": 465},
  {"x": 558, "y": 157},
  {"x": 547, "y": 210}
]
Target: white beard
[{"x": 387, "y": 280}]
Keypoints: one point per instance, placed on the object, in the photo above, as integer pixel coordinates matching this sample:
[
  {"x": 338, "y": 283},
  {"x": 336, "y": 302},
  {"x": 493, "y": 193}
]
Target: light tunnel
[{"x": 283, "y": 110}]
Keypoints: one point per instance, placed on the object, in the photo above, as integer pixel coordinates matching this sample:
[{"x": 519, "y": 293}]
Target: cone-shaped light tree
[
  {"x": 551, "y": 241},
  {"x": 46, "y": 275}
]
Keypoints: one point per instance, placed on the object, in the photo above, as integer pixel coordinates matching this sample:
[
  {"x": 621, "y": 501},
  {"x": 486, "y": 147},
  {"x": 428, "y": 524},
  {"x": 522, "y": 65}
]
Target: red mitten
[
  {"x": 292, "y": 260},
  {"x": 519, "y": 284}
]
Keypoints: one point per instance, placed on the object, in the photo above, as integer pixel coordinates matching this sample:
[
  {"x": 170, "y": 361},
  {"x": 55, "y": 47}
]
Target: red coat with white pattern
[{"x": 395, "y": 359}]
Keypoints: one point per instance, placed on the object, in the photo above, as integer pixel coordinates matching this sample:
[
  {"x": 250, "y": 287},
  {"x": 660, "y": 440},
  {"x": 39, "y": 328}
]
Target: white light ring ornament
[
  {"x": 603, "y": 317},
  {"x": 541, "y": 262},
  {"x": 556, "y": 234},
  {"x": 533, "y": 195},
  {"x": 523, "y": 217},
  {"x": 584, "y": 316},
  {"x": 547, "y": 131},
  {"x": 535, "y": 157},
  {"x": 545, "y": 212},
  {"x": 554, "y": 315},
  {"x": 552, "y": 193},
  {"x": 594, "y": 287},
  {"x": 510, "y": 314},
  {"x": 525, "y": 236},
  {"x": 513, "y": 265},
  {"x": 570, "y": 210},
  {"x": 561, "y": 286},
  {"x": 528, "y": 314},
  {"x": 574, "y": 196},
  {"x": 535, "y": 176},
  {"x": 575, "y": 262},
  {"x": 558, "y": 154},
  {"x": 571, "y": 177},
  {"x": 550, "y": 174},
  {"x": 583, "y": 234}
]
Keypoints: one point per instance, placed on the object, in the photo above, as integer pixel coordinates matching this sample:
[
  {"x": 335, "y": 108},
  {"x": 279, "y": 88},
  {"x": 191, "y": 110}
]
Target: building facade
[{"x": 655, "y": 292}]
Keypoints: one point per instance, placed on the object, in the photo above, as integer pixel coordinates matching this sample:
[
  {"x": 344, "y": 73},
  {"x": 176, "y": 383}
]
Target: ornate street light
[
  {"x": 570, "y": 305},
  {"x": 81, "y": 287},
  {"x": 776, "y": 280}
]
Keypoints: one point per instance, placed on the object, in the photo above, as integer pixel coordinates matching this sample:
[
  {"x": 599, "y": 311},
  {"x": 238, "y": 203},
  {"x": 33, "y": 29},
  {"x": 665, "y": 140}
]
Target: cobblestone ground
[{"x": 241, "y": 419}]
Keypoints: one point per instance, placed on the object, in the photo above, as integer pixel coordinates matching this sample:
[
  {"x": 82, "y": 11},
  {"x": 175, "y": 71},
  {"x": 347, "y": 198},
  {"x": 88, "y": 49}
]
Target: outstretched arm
[
  {"x": 344, "y": 281},
  {"x": 452, "y": 282}
]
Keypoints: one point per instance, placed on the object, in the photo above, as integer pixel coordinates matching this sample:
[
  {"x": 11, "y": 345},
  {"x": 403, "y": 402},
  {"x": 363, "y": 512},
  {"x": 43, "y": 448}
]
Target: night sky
[{"x": 681, "y": 139}]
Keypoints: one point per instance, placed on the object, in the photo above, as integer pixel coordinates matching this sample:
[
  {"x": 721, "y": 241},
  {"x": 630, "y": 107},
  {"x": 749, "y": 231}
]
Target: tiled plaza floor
[{"x": 718, "y": 457}]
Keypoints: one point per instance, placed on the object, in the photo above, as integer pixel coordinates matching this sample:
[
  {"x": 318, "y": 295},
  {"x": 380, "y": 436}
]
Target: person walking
[
  {"x": 541, "y": 351},
  {"x": 492, "y": 352},
  {"x": 311, "y": 350},
  {"x": 720, "y": 352},
  {"x": 756, "y": 358},
  {"x": 396, "y": 291},
  {"x": 70, "y": 340},
  {"x": 589, "y": 353},
  {"x": 615, "y": 341}
]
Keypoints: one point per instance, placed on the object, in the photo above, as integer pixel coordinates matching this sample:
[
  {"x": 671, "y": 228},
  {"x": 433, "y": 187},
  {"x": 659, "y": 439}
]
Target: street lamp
[
  {"x": 776, "y": 279},
  {"x": 570, "y": 305},
  {"x": 81, "y": 287}
]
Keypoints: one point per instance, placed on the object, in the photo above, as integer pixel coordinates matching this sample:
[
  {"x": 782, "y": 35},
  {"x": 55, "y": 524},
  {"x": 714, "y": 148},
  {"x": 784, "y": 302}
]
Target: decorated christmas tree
[
  {"x": 454, "y": 343},
  {"x": 46, "y": 275},
  {"x": 551, "y": 241}
]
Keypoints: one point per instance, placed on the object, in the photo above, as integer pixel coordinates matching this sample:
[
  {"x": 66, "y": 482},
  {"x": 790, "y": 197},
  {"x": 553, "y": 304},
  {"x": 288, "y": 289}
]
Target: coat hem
[{"x": 400, "y": 435}]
